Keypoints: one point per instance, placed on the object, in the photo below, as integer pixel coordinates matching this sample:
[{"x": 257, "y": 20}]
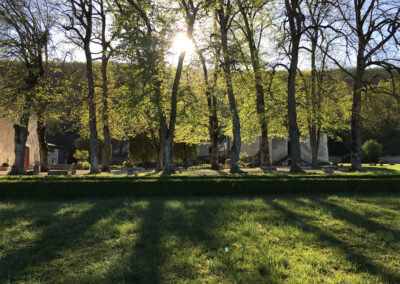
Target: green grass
[{"x": 265, "y": 239}]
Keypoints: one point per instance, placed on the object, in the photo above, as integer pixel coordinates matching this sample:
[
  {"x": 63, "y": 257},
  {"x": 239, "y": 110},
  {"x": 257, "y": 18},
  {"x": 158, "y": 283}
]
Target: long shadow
[
  {"x": 60, "y": 232},
  {"x": 167, "y": 229},
  {"x": 363, "y": 262},
  {"x": 392, "y": 204},
  {"x": 342, "y": 213},
  {"x": 25, "y": 211},
  {"x": 148, "y": 254}
]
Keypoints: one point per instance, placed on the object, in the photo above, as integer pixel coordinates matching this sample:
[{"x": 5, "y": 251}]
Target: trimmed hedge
[{"x": 77, "y": 187}]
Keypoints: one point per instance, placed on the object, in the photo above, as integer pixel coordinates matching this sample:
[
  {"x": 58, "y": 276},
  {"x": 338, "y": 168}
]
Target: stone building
[
  {"x": 279, "y": 149},
  {"x": 7, "y": 143}
]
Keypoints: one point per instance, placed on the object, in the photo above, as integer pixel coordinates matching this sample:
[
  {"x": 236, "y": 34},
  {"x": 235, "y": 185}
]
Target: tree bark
[
  {"x": 43, "y": 146},
  {"x": 295, "y": 23},
  {"x": 315, "y": 135},
  {"x": 106, "y": 150},
  {"x": 158, "y": 149},
  {"x": 212, "y": 110},
  {"x": 170, "y": 131},
  {"x": 237, "y": 141},
  {"x": 94, "y": 145},
  {"x": 314, "y": 126},
  {"x": 260, "y": 103},
  {"x": 20, "y": 136},
  {"x": 356, "y": 143}
]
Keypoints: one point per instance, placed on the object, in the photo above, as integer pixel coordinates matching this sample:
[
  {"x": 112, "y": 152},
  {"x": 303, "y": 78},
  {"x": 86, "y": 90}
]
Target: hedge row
[{"x": 117, "y": 187}]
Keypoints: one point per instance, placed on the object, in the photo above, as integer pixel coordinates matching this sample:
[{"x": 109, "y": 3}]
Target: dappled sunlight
[
  {"x": 264, "y": 239},
  {"x": 73, "y": 210}
]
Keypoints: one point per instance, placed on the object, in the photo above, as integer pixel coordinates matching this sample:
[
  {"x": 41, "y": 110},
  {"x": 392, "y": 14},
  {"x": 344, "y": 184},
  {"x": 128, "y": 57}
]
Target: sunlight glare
[{"x": 182, "y": 43}]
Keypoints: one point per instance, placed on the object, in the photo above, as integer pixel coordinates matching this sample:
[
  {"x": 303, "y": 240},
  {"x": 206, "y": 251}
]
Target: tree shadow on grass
[
  {"x": 177, "y": 238},
  {"x": 342, "y": 213},
  {"x": 59, "y": 233},
  {"x": 363, "y": 262}
]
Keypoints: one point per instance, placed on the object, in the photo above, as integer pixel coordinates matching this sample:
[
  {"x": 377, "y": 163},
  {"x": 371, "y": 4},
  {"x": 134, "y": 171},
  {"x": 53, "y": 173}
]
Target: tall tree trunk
[
  {"x": 170, "y": 131},
  {"x": 356, "y": 143},
  {"x": 20, "y": 136},
  {"x": 260, "y": 103},
  {"x": 94, "y": 145},
  {"x": 237, "y": 141},
  {"x": 106, "y": 150},
  {"x": 43, "y": 147},
  {"x": 295, "y": 22},
  {"x": 212, "y": 110},
  {"x": 158, "y": 149},
  {"x": 294, "y": 133},
  {"x": 315, "y": 136},
  {"x": 314, "y": 127}
]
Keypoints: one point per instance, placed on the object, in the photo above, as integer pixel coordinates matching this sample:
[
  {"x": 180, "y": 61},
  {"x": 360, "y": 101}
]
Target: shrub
[
  {"x": 128, "y": 164},
  {"x": 185, "y": 152},
  {"x": 84, "y": 144},
  {"x": 200, "y": 167},
  {"x": 141, "y": 149},
  {"x": 243, "y": 156},
  {"x": 372, "y": 150},
  {"x": 5, "y": 164},
  {"x": 241, "y": 164},
  {"x": 81, "y": 155},
  {"x": 83, "y": 165}
]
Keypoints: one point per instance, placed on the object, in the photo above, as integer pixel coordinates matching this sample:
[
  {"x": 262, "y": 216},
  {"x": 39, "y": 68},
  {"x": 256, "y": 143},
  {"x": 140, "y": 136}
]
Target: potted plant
[
  {"x": 5, "y": 166},
  {"x": 381, "y": 163}
]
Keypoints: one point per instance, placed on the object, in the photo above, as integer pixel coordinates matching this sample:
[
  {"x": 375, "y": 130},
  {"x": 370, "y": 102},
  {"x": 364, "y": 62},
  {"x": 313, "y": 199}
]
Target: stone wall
[
  {"x": 7, "y": 142},
  {"x": 278, "y": 148}
]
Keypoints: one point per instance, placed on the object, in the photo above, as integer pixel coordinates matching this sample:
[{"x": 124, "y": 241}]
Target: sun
[{"x": 182, "y": 43}]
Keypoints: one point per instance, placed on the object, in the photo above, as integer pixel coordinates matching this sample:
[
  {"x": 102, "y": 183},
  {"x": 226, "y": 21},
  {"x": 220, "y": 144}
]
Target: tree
[
  {"x": 225, "y": 15},
  {"x": 368, "y": 29},
  {"x": 23, "y": 36},
  {"x": 211, "y": 98},
  {"x": 295, "y": 18},
  {"x": 80, "y": 24},
  {"x": 249, "y": 11},
  {"x": 185, "y": 152},
  {"x": 190, "y": 11},
  {"x": 102, "y": 10}
]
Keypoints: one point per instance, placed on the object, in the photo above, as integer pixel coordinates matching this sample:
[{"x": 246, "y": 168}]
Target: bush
[
  {"x": 243, "y": 156},
  {"x": 128, "y": 164},
  {"x": 200, "y": 167},
  {"x": 185, "y": 152},
  {"x": 83, "y": 165},
  {"x": 141, "y": 149},
  {"x": 241, "y": 164},
  {"x": 84, "y": 144},
  {"x": 81, "y": 155},
  {"x": 372, "y": 150},
  {"x": 94, "y": 186},
  {"x": 5, "y": 164}
]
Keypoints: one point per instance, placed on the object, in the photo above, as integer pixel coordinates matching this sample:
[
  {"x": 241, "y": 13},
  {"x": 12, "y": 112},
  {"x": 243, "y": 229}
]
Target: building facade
[
  {"x": 279, "y": 149},
  {"x": 7, "y": 143}
]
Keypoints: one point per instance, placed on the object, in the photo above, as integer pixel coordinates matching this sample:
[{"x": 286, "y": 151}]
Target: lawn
[{"x": 263, "y": 239}]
